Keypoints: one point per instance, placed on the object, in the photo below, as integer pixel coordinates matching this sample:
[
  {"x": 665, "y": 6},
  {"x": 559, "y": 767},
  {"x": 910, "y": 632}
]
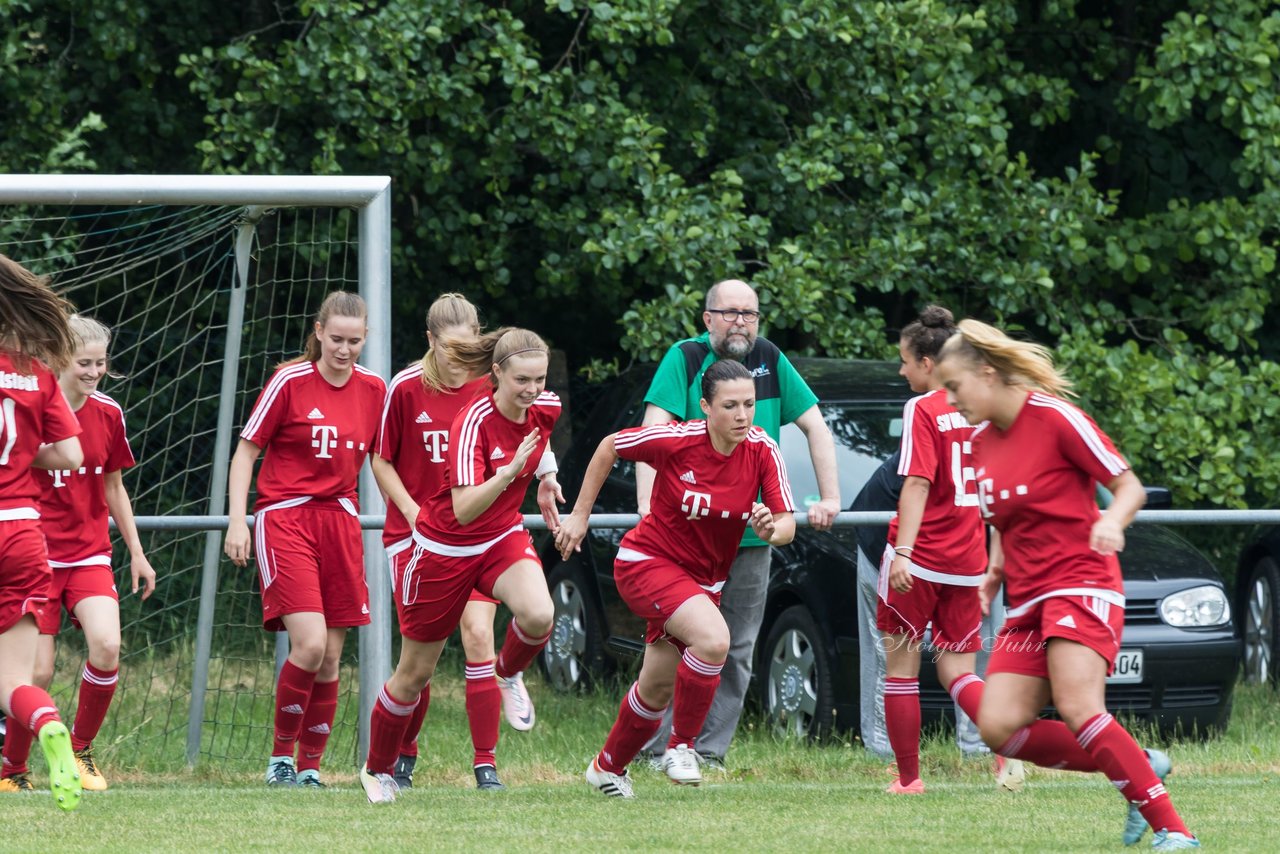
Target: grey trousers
[
  {"x": 872, "y": 668},
  {"x": 742, "y": 606}
]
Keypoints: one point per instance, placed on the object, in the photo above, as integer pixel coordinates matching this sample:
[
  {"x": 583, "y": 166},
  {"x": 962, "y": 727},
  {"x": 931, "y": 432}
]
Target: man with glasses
[{"x": 732, "y": 318}]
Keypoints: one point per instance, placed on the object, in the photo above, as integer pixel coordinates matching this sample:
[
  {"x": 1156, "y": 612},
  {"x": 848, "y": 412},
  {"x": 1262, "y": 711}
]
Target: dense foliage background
[{"x": 1102, "y": 177}]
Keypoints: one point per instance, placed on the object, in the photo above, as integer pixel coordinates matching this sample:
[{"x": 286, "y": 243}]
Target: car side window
[{"x": 865, "y": 435}]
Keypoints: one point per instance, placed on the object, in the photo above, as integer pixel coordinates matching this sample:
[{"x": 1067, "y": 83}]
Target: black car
[
  {"x": 1177, "y": 668},
  {"x": 1257, "y": 588}
]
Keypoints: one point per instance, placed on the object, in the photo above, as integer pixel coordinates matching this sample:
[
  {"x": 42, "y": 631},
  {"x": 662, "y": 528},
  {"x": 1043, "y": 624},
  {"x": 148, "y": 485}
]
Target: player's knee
[
  {"x": 1075, "y": 711},
  {"x": 477, "y": 639},
  {"x": 995, "y": 734},
  {"x": 104, "y": 653},
  {"x": 712, "y": 647},
  {"x": 307, "y": 655},
  {"x": 536, "y": 617},
  {"x": 42, "y": 675}
]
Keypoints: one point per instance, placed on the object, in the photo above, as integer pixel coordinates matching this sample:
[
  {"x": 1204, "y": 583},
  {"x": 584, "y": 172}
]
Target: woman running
[
  {"x": 1037, "y": 460},
  {"x": 410, "y": 463},
  {"x": 37, "y": 429},
  {"x": 469, "y": 535},
  {"x": 936, "y": 554},
  {"x": 317, "y": 419},
  {"x": 671, "y": 568},
  {"x": 74, "y": 506}
]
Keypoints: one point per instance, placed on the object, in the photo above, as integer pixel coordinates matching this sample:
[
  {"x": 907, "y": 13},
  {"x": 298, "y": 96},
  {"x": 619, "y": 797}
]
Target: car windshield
[{"x": 865, "y": 435}]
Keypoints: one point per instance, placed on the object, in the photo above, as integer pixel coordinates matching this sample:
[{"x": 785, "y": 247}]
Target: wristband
[
  {"x": 546, "y": 465},
  {"x": 900, "y": 550}
]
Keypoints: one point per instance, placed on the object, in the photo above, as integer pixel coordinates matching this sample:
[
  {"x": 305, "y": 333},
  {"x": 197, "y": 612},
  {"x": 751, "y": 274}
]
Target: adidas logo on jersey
[
  {"x": 1067, "y": 621},
  {"x": 687, "y": 477},
  {"x": 315, "y": 413},
  {"x": 364, "y": 609},
  {"x": 423, "y": 418},
  {"x": 497, "y": 454},
  {"x": 292, "y": 709}
]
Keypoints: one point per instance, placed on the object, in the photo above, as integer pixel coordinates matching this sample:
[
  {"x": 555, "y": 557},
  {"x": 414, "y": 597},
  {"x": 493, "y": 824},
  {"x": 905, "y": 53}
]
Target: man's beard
[{"x": 733, "y": 347}]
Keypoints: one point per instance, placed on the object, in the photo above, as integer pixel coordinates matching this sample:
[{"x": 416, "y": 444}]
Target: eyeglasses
[{"x": 731, "y": 315}]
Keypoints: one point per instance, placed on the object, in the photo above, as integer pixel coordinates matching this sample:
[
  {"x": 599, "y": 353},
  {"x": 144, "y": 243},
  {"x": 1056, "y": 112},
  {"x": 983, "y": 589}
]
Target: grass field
[{"x": 778, "y": 796}]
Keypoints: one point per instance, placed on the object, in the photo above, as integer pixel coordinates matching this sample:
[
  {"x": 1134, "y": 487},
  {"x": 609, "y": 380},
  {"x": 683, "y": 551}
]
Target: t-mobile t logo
[
  {"x": 437, "y": 444},
  {"x": 696, "y": 504},
  {"x": 324, "y": 438},
  {"x": 58, "y": 475}
]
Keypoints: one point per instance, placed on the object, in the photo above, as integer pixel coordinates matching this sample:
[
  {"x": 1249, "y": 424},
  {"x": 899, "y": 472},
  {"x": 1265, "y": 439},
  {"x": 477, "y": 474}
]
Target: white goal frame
[{"x": 371, "y": 197}]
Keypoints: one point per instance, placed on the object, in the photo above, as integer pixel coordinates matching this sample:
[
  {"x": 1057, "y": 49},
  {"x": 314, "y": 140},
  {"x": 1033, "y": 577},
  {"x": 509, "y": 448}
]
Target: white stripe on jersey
[
  {"x": 660, "y": 431},
  {"x": 276, "y": 383},
  {"x": 908, "y": 434},
  {"x": 467, "y": 439},
  {"x": 1111, "y": 596},
  {"x": 548, "y": 398},
  {"x": 1111, "y": 462},
  {"x": 409, "y": 373},
  {"x": 107, "y": 400},
  {"x": 756, "y": 434}
]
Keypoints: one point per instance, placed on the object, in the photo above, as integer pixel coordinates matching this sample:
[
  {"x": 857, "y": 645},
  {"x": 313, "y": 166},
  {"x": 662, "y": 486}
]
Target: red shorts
[
  {"x": 311, "y": 559},
  {"x": 1022, "y": 642},
  {"x": 432, "y": 589},
  {"x": 70, "y": 586},
  {"x": 24, "y": 571},
  {"x": 653, "y": 589},
  {"x": 952, "y": 609}
]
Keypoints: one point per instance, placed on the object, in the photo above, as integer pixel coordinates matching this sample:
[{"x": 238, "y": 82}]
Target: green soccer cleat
[
  {"x": 64, "y": 774},
  {"x": 1175, "y": 841}
]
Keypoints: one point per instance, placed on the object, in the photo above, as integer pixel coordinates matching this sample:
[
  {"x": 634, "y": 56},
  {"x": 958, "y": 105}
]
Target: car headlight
[{"x": 1196, "y": 608}]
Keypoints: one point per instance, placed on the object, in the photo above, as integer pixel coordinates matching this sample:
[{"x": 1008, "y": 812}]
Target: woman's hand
[
  {"x": 573, "y": 528},
  {"x": 236, "y": 545},
  {"x": 512, "y": 470},
  {"x": 900, "y": 573},
  {"x": 988, "y": 589},
  {"x": 549, "y": 494},
  {"x": 762, "y": 521},
  {"x": 140, "y": 569},
  {"x": 1106, "y": 537}
]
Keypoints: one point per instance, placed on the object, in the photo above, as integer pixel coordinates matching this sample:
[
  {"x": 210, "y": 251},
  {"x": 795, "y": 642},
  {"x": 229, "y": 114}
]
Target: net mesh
[{"x": 161, "y": 278}]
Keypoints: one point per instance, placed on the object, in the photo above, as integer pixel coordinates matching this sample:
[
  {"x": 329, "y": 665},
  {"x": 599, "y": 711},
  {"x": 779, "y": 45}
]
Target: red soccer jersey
[
  {"x": 73, "y": 504},
  {"x": 1037, "y": 485},
  {"x": 481, "y": 441},
  {"x": 414, "y": 438},
  {"x": 936, "y": 447},
  {"x": 701, "y": 498},
  {"x": 316, "y": 435},
  {"x": 33, "y": 412}
]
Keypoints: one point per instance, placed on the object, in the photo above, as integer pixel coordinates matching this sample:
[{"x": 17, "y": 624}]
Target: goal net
[{"x": 162, "y": 278}]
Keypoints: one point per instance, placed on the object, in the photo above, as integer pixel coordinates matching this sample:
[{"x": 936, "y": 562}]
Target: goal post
[{"x": 369, "y": 196}]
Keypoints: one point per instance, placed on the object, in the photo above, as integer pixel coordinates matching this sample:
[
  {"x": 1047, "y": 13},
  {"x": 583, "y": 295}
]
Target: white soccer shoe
[
  {"x": 380, "y": 788},
  {"x": 681, "y": 764},
  {"x": 607, "y": 783},
  {"x": 1011, "y": 774},
  {"x": 517, "y": 708}
]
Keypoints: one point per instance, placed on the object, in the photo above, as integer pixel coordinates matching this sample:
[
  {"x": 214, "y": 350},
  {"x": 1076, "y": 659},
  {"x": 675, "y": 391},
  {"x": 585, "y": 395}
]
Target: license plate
[{"x": 1128, "y": 669}]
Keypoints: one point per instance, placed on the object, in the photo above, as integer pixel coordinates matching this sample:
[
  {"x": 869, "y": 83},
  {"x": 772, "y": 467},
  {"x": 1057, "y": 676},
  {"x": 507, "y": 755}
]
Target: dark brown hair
[
  {"x": 33, "y": 319},
  {"x": 722, "y": 371},
  {"x": 926, "y": 334}
]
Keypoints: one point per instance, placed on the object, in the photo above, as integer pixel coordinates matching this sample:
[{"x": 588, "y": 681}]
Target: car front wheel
[
  {"x": 1261, "y": 615},
  {"x": 797, "y": 688},
  {"x": 574, "y": 656}
]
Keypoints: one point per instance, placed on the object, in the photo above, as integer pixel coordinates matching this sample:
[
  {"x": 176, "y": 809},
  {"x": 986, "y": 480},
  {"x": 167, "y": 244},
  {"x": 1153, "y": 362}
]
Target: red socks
[
  {"x": 696, "y": 683},
  {"x": 902, "y": 720},
  {"x": 293, "y": 692},
  {"x": 386, "y": 731},
  {"x": 518, "y": 650},
  {"x": 966, "y": 692},
  {"x": 635, "y": 725},
  {"x": 484, "y": 708},
  {"x": 97, "y": 687},
  {"x": 1049, "y": 744},
  {"x": 1129, "y": 770},
  {"x": 409, "y": 747},
  {"x": 30, "y": 708},
  {"x": 317, "y": 724}
]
